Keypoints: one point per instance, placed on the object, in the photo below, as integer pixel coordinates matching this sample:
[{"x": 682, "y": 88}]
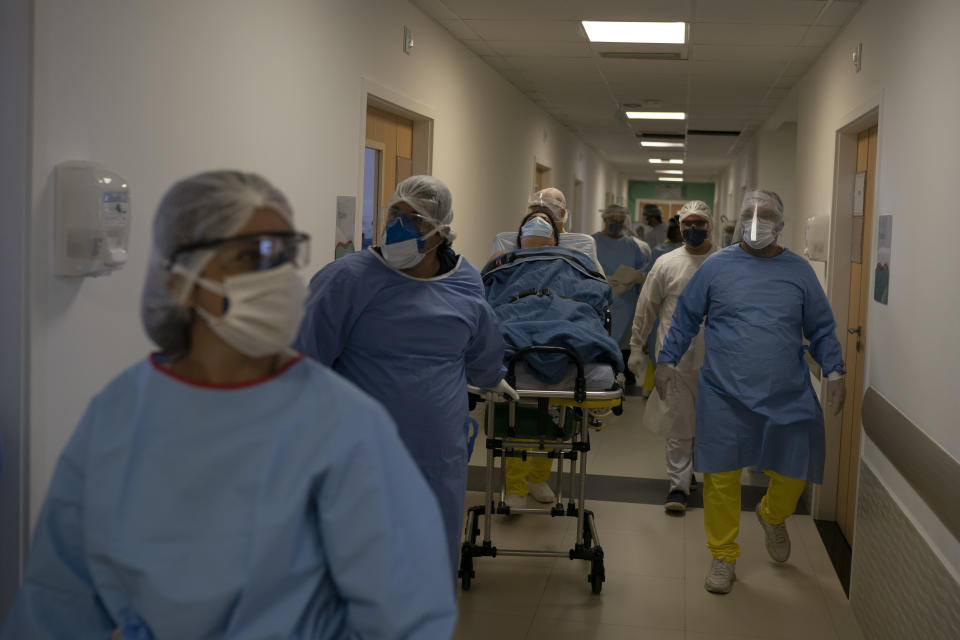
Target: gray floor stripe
[{"x": 635, "y": 490}]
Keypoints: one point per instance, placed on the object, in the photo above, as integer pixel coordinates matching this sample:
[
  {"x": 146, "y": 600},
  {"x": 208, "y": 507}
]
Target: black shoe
[
  {"x": 693, "y": 483},
  {"x": 676, "y": 501}
]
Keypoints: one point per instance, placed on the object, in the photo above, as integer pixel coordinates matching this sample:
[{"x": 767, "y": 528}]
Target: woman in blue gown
[{"x": 227, "y": 487}]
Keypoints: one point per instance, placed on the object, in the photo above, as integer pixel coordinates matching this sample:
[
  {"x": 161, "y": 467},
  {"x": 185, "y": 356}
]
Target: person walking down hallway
[
  {"x": 654, "y": 229},
  {"x": 755, "y": 403},
  {"x": 407, "y": 322},
  {"x": 226, "y": 486},
  {"x": 625, "y": 265},
  {"x": 673, "y": 416}
]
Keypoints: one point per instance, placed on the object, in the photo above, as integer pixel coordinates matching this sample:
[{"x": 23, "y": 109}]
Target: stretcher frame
[{"x": 580, "y": 402}]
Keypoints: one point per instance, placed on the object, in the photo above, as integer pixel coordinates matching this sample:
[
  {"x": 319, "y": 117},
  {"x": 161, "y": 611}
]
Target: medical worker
[
  {"x": 531, "y": 476},
  {"x": 616, "y": 248},
  {"x": 654, "y": 230},
  {"x": 227, "y": 487},
  {"x": 673, "y": 416},
  {"x": 407, "y": 322},
  {"x": 552, "y": 202},
  {"x": 755, "y": 403}
]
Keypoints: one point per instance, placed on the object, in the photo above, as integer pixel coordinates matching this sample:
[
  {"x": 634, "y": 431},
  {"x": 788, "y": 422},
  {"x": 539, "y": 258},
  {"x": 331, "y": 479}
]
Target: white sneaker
[
  {"x": 721, "y": 576},
  {"x": 542, "y": 492},
  {"x": 516, "y": 501},
  {"x": 778, "y": 540}
]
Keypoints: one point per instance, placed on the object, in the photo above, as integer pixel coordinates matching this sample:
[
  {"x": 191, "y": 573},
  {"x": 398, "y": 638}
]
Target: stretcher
[{"x": 549, "y": 420}]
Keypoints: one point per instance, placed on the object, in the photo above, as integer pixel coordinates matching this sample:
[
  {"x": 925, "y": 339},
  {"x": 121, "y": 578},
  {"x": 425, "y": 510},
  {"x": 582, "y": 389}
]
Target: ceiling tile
[
  {"x": 436, "y": 9},
  {"x": 839, "y": 13},
  {"x": 758, "y": 11},
  {"x": 459, "y": 29},
  {"x": 819, "y": 36},
  {"x": 747, "y": 34},
  {"x": 734, "y": 53},
  {"x": 551, "y": 49},
  {"x": 528, "y": 30}
]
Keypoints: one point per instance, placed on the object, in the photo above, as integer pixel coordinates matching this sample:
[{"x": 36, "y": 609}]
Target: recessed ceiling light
[
  {"x": 656, "y": 115},
  {"x": 670, "y": 179},
  {"x": 666, "y": 161},
  {"x": 650, "y": 143},
  {"x": 677, "y": 172},
  {"x": 639, "y": 32}
]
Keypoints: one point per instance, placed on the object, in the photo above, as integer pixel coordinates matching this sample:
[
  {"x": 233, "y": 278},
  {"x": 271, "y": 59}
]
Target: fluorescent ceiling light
[
  {"x": 665, "y": 161},
  {"x": 678, "y": 172},
  {"x": 639, "y": 32},
  {"x": 650, "y": 143},
  {"x": 656, "y": 115},
  {"x": 670, "y": 179}
]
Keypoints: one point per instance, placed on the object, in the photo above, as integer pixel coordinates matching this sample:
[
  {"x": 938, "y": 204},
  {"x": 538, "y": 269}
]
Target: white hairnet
[
  {"x": 756, "y": 200},
  {"x": 614, "y": 211},
  {"x": 206, "y": 206},
  {"x": 695, "y": 208},
  {"x": 550, "y": 200},
  {"x": 429, "y": 197}
]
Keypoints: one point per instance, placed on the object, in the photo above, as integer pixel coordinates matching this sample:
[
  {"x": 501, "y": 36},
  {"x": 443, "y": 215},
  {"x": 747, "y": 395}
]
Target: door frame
[
  {"x": 868, "y": 114},
  {"x": 373, "y": 94},
  {"x": 16, "y": 162}
]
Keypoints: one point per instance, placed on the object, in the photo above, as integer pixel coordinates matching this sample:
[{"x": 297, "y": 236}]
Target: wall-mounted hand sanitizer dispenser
[
  {"x": 815, "y": 238},
  {"x": 92, "y": 220}
]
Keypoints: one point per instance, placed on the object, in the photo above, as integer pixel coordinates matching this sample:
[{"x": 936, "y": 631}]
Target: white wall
[
  {"x": 909, "y": 71},
  {"x": 158, "y": 90}
]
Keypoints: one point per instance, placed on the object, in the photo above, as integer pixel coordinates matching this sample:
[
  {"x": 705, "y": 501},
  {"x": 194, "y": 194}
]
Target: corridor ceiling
[{"x": 741, "y": 59}]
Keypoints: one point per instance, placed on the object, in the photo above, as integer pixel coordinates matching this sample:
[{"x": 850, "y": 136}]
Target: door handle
[{"x": 859, "y": 332}]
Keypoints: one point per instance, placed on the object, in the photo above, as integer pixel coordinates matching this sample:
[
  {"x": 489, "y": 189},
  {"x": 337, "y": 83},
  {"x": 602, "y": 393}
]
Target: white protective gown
[{"x": 670, "y": 417}]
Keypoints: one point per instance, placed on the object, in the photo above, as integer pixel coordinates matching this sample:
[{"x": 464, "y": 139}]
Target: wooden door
[
  {"x": 392, "y": 136},
  {"x": 855, "y": 350}
]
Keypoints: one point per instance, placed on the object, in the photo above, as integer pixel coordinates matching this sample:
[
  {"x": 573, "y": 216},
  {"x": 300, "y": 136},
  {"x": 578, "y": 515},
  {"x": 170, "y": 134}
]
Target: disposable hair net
[
  {"x": 755, "y": 202},
  {"x": 550, "y": 200},
  {"x": 429, "y": 197},
  {"x": 695, "y": 208},
  {"x": 206, "y": 206}
]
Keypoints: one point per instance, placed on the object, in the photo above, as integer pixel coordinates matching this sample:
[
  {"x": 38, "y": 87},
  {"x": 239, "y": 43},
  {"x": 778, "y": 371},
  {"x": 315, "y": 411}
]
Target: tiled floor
[{"x": 655, "y": 565}]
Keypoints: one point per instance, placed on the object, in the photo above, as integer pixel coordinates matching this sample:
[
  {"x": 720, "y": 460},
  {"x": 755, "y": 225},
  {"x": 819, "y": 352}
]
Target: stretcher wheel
[
  {"x": 597, "y": 576},
  {"x": 466, "y": 572}
]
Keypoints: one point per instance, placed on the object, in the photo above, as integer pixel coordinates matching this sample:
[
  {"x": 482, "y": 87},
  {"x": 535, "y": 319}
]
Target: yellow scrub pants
[
  {"x": 648, "y": 379},
  {"x": 537, "y": 469},
  {"x": 721, "y": 508}
]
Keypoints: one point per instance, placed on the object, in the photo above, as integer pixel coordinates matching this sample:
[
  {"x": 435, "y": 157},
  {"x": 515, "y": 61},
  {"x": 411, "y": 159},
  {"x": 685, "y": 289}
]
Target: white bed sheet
[{"x": 599, "y": 377}]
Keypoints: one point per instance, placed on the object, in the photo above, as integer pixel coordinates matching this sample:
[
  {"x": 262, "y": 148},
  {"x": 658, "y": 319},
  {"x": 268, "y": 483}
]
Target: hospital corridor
[{"x": 470, "y": 319}]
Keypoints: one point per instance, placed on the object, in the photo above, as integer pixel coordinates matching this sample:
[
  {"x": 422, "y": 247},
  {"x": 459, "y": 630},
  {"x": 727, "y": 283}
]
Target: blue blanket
[{"x": 551, "y": 296}]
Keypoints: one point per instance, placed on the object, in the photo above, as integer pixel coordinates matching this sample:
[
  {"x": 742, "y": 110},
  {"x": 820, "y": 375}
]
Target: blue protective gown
[
  {"x": 755, "y": 403},
  {"x": 412, "y": 344},
  {"x": 286, "y": 508},
  {"x": 612, "y": 253}
]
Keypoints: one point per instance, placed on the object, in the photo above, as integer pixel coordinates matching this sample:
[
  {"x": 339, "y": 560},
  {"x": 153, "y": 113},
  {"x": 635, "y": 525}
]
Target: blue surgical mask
[
  {"x": 402, "y": 242},
  {"x": 537, "y": 227},
  {"x": 616, "y": 228},
  {"x": 695, "y": 237}
]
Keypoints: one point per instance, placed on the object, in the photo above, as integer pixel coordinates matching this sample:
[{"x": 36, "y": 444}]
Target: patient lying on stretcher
[{"x": 546, "y": 294}]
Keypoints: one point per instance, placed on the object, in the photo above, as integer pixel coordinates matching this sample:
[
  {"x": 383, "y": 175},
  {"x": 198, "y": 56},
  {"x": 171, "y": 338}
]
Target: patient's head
[{"x": 538, "y": 230}]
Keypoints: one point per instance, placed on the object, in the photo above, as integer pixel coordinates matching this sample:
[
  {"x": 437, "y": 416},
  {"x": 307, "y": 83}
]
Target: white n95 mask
[
  {"x": 263, "y": 309},
  {"x": 759, "y": 233}
]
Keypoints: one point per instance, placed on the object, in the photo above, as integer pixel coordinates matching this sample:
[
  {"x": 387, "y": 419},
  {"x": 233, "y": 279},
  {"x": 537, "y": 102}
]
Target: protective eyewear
[
  {"x": 254, "y": 251},
  {"x": 419, "y": 220},
  {"x": 694, "y": 224}
]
